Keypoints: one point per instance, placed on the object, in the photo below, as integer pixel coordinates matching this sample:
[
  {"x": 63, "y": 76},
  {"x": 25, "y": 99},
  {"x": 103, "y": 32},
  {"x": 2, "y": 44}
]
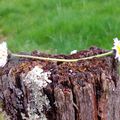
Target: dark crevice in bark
[
  {"x": 99, "y": 92},
  {"x": 74, "y": 99},
  {"x": 99, "y": 118},
  {"x": 114, "y": 71},
  {"x": 50, "y": 94},
  {"x": 18, "y": 82}
]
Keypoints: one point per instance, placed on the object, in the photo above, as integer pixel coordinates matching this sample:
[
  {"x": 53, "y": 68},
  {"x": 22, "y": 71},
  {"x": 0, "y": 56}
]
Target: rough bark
[{"x": 83, "y": 90}]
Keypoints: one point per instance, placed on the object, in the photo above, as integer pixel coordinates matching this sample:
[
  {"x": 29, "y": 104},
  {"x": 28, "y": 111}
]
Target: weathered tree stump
[{"x": 83, "y": 90}]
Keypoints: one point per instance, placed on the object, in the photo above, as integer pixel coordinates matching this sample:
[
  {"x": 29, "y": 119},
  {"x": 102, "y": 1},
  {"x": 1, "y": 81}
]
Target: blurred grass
[{"x": 59, "y": 26}]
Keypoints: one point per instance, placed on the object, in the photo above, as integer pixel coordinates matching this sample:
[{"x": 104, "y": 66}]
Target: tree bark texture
[{"x": 83, "y": 90}]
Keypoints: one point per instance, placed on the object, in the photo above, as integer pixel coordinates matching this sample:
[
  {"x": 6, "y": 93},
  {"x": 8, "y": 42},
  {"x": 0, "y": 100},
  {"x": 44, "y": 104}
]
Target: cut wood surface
[{"x": 83, "y": 90}]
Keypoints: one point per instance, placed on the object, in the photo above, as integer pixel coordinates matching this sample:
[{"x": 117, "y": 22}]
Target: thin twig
[{"x": 63, "y": 60}]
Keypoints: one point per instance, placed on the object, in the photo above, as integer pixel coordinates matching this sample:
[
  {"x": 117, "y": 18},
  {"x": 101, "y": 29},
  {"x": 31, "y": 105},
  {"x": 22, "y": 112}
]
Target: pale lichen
[{"x": 36, "y": 80}]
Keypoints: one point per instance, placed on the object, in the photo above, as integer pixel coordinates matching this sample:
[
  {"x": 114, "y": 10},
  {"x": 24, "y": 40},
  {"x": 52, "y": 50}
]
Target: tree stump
[{"x": 83, "y": 90}]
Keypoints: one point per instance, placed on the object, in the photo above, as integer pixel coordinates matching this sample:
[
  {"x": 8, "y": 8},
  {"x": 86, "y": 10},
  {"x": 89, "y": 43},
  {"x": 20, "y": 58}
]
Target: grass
[{"x": 59, "y": 26}]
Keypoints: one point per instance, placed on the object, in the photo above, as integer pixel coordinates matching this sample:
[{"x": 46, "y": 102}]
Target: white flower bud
[{"x": 73, "y": 52}]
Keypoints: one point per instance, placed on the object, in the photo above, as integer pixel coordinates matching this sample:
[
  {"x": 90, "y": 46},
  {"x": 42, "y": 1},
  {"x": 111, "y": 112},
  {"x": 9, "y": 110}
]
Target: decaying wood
[{"x": 83, "y": 90}]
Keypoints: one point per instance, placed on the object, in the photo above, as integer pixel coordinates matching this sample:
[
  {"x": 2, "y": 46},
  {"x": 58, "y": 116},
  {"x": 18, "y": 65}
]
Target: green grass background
[{"x": 59, "y": 26}]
